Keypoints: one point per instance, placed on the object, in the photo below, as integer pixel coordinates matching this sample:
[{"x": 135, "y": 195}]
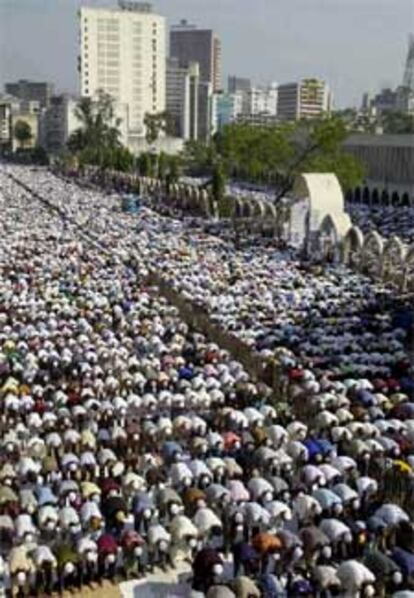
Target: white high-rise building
[
  {"x": 260, "y": 100},
  {"x": 122, "y": 52},
  {"x": 182, "y": 98}
]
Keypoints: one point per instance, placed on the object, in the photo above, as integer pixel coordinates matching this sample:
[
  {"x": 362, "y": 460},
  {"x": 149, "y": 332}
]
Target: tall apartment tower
[
  {"x": 183, "y": 98},
  {"x": 189, "y": 44},
  {"x": 122, "y": 52},
  {"x": 310, "y": 98}
]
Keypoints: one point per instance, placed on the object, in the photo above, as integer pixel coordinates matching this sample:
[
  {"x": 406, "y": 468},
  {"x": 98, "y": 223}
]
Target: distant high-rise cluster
[
  {"x": 309, "y": 98},
  {"x": 123, "y": 52},
  {"x": 400, "y": 99}
]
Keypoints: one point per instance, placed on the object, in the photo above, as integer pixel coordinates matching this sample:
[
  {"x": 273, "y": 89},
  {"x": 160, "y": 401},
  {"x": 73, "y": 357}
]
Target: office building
[
  {"x": 182, "y": 98},
  {"x": 31, "y": 119},
  {"x": 310, "y": 98},
  {"x": 260, "y": 100},
  {"x": 190, "y": 44},
  {"x": 206, "y": 111},
  {"x": 58, "y": 122},
  {"x": 385, "y": 101},
  {"x": 122, "y": 52},
  {"x": 235, "y": 84},
  {"x": 228, "y": 106},
  {"x": 31, "y": 91},
  {"x": 13, "y": 110},
  {"x": 8, "y": 106}
]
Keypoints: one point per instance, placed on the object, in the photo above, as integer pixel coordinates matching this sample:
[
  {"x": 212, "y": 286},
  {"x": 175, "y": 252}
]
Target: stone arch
[
  {"x": 405, "y": 200},
  {"x": 357, "y": 195},
  {"x": 256, "y": 208},
  {"x": 270, "y": 211},
  {"x": 366, "y": 196},
  {"x": 238, "y": 208},
  {"x": 395, "y": 199},
  {"x": 205, "y": 205},
  {"x": 352, "y": 246},
  {"x": 332, "y": 230},
  {"x": 375, "y": 197},
  {"x": 393, "y": 260},
  {"x": 247, "y": 208},
  {"x": 349, "y": 196},
  {"x": 385, "y": 198},
  {"x": 194, "y": 199},
  {"x": 328, "y": 238},
  {"x": 174, "y": 192},
  {"x": 182, "y": 196},
  {"x": 188, "y": 194},
  {"x": 372, "y": 254},
  {"x": 269, "y": 220}
]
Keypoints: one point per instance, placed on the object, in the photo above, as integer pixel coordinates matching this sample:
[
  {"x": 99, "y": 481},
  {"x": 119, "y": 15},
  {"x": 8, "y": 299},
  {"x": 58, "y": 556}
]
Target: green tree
[
  {"x": 276, "y": 154},
  {"x": 163, "y": 165},
  {"x": 40, "y": 156},
  {"x": 174, "y": 171},
  {"x": 398, "y": 123},
  {"x": 97, "y": 140},
  {"x": 146, "y": 164},
  {"x": 155, "y": 124},
  {"x": 22, "y": 133},
  {"x": 199, "y": 157},
  {"x": 318, "y": 147}
]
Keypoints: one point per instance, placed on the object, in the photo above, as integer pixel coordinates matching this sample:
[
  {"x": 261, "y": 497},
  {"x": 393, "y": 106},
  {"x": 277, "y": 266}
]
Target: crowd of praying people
[
  {"x": 387, "y": 220},
  {"x": 131, "y": 442}
]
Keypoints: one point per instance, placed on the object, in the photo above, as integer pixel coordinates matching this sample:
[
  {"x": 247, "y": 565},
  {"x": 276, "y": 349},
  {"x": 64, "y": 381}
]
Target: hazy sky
[{"x": 356, "y": 45}]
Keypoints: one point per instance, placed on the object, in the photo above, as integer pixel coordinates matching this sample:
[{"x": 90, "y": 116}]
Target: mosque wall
[{"x": 389, "y": 163}]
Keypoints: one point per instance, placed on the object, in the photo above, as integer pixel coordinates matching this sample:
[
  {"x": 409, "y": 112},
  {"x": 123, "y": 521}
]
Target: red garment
[
  {"x": 296, "y": 374},
  {"x": 107, "y": 545}
]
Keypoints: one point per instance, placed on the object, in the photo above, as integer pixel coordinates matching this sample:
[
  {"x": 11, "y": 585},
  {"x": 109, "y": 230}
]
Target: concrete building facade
[
  {"x": 182, "y": 98},
  {"x": 190, "y": 44},
  {"x": 260, "y": 100},
  {"x": 58, "y": 122},
  {"x": 235, "y": 84},
  {"x": 13, "y": 110},
  {"x": 122, "y": 52},
  {"x": 206, "y": 111},
  {"x": 228, "y": 107},
  {"x": 8, "y": 106},
  {"x": 309, "y": 98},
  {"x": 388, "y": 160},
  {"x": 31, "y": 91},
  {"x": 30, "y": 118}
]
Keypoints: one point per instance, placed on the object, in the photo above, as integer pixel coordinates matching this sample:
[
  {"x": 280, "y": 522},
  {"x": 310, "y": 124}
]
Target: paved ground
[
  {"x": 159, "y": 585},
  {"x": 106, "y": 590}
]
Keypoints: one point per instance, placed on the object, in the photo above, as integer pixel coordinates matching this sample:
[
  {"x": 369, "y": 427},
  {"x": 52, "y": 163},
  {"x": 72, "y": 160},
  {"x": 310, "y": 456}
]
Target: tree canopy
[
  {"x": 398, "y": 123},
  {"x": 22, "y": 133},
  {"x": 159, "y": 122},
  {"x": 97, "y": 140},
  {"x": 277, "y": 154}
]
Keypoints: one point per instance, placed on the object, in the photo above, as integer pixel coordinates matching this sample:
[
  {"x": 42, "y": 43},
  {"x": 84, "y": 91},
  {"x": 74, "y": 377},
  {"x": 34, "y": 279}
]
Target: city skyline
[{"x": 333, "y": 40}]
